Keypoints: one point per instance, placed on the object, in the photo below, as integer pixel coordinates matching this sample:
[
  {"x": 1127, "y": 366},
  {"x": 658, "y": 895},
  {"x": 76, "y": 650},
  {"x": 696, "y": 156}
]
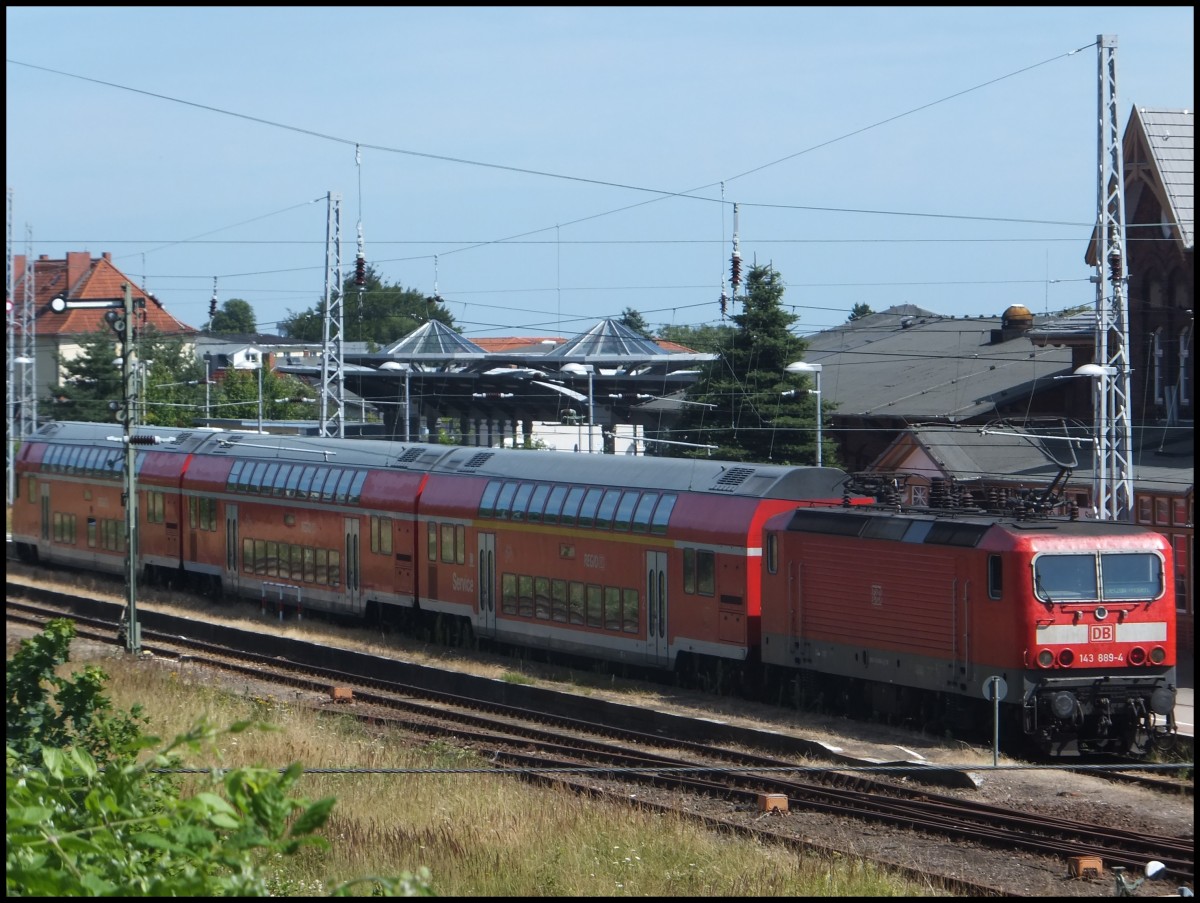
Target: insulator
[
  {"x": 1114, "y": 263},
  {"x": 212, "y": 307},
  {"x": 360, "y": 270},
  {"x": 724, "y": 303},
  {"x": 735, "y": 271}
]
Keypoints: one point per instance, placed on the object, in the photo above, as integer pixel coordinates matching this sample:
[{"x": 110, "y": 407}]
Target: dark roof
[{"x": 915, "y": 365}]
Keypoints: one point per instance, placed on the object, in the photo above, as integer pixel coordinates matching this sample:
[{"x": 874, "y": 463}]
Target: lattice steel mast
[
  {"x": 333, "y": 375},
  {"x": 1113, "y": 475},
  {"x": 21, "y": 350}
]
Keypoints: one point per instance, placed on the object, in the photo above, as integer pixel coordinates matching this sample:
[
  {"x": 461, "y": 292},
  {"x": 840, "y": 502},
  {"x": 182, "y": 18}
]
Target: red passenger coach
[
  {"x": 637, "y": 560},
  {"x": 916, "y": 614},
  {"x": 68, "y": 507}
]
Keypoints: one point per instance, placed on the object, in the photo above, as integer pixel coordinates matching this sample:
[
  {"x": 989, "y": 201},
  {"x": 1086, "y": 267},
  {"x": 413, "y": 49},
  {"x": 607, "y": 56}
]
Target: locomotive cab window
[
  {"x": 995, "y": 577},
  {"x": 1130, "y": 576}
]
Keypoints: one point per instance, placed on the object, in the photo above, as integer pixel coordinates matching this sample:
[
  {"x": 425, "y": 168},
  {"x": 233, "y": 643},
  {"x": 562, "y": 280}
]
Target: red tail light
[
  {"x": 1137, "y": 656},
  {"x": 1066, "y": 658}
]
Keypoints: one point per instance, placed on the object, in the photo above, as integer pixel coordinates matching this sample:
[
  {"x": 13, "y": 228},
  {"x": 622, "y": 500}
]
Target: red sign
[{"x": 1101, "y": 633}]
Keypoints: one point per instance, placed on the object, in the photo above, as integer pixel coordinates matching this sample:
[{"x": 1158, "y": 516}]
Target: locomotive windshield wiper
[{"x": 1037, "y": 584}]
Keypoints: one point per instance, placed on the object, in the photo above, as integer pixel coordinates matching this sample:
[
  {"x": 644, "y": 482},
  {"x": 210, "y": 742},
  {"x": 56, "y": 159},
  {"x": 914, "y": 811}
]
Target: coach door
[
  {"x": 351, "y": 557},
  {"x": 231, "y": 549},
  {"x": 44, "y": 541},
  {"x": 487, "y": 583},
  {"x": 657, "y": 638}
]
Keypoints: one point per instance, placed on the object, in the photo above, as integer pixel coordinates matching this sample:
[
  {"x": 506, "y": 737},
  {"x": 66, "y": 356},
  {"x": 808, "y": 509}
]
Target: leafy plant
[{"x": 87, "y": 814}]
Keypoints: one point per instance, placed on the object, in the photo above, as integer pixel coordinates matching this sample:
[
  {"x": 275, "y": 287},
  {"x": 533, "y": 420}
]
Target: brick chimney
[{"x": 78, "y": 264}]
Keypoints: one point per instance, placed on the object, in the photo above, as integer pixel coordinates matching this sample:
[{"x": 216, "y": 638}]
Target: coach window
[
  {"x": 612, "y": 608},
  {"x": 995, "y": 577},
  {"x": 525, "y": 595},
  {"x": 689, "y": 571},
  {"x": 558, "y": 600},
  {"x": 699, "y": 572},
  {"x": 537, "y": 501},
  {"x": 608, "y": 507},
  {"x": 595, "y": 606},
  {"x": 248, "y": 556},
  {"x": 508, "y": 593},
  {"x": 293, "y": 481},
  {"x": 625, "y": 511},
  {"x": 772, "y": 553},
  {"x": 335, "y": 567},
  {"x": 575, "y": 600},
  {"x": 587, "y": 511},
  {"x": 521, "y": 501},
  {"x": 297, "y": 566},
  {"x": 431, "y": 541},
  {"x": 504, "y": 500},
  {"x": 571, "y": 506},
  {"x": 322, "y": 574},
  {"x": 268, "y": 480},
  {"x": 91, "y": 532},
  {"x": 256, "y": 480},
  {"x": 356, "y": 485},
  {"x": 630, "y": 619},
  {"x": 541, "y": 597},
  {"x": 272, "y": 558},
  {"x": 310, "y": 564},
  {"x": 234, "y": 472},
  {"x": 487, "y": 504},
  {"x": 341, "y": 489},
  {"x": 318, "y": 483},
  {"x": 448, "y": 543},
  {"x": 460, "y": 544},
  {"x": 329, "y": 490},
  {"x": 554, "y": 504},
  {"x": 305, "y": 482},
  {"x": 662, "y": 514}
]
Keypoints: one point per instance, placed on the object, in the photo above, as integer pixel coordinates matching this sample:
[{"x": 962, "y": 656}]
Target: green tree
[
  {"x": 378, "y": 314},
  {"x": 859, "y": 311},
  {"x": 234, "y": 317},
  {"x": 739, "y": 403},
  {"x": 237, "y": 396},
  {"x": 705, "y": 339},
  {"x": 635, "y": 322},
  {"x": 169, "y": 383},
  {"x": 88, "y": 814}
]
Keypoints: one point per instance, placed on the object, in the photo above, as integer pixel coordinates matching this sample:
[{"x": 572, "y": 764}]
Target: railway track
[{"x": 726, "y": 784}]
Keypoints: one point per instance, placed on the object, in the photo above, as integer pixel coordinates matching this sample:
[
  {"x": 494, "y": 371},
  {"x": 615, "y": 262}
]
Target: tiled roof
[
  {"x": 1169, "y": 135},
  {"x": 80, "y": 277},
  {"x": 910, "y": 364}
]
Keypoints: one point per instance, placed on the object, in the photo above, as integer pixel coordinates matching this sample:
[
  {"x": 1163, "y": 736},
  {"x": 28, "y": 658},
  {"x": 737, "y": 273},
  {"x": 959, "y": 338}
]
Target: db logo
[{"x": 1101, "y": 633}]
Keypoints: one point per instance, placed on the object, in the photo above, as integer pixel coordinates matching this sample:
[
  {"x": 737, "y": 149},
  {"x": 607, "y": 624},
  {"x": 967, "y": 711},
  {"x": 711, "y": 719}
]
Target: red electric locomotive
[{"x": 919, "y": 613}]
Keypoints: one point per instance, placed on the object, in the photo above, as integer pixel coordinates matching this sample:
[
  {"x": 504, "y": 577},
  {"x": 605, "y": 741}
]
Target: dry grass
[{"x": 480, "y": 835}]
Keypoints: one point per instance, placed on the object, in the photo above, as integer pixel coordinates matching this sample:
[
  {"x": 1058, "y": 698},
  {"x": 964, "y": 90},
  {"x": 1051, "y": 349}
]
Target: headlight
[
  {"x": 1045, "y": 658},
  {"x": 1158, "y": 655}
]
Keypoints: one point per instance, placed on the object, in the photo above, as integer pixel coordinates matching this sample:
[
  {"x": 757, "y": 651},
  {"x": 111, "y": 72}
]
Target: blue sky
[{"x": 530, "y": 164}]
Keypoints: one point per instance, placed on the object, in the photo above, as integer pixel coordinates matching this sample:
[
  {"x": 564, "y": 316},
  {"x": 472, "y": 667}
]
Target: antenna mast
[{"x": 1112, "y": 480}]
